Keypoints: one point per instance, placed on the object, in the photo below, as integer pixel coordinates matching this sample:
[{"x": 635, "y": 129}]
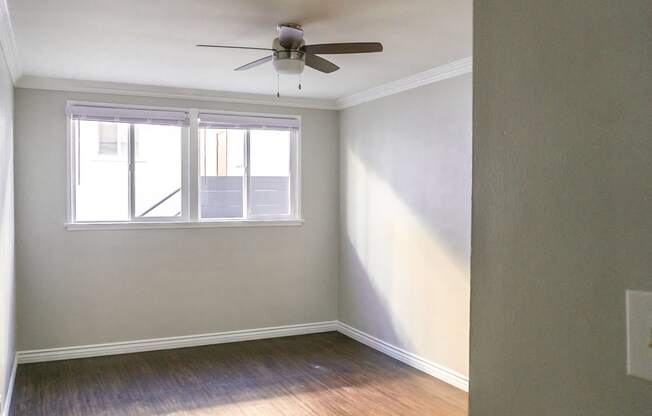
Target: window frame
[
  {"x": 190, "y": 179},
  {"x": 131, "y": 175},
  {"x": 185, "y": 179},
  {"x": 294, "y": 185}
]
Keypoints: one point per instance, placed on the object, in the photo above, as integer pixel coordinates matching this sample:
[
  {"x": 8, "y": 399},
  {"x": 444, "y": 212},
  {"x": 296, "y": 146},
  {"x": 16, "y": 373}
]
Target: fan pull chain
[
  {"x": 300, "y": 81},
  {"x": 278, "y": 86}
]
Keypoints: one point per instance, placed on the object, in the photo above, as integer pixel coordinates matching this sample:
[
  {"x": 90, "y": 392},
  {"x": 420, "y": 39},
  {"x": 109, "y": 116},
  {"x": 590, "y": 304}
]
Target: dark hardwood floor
[{"x": 323, "y": 374}]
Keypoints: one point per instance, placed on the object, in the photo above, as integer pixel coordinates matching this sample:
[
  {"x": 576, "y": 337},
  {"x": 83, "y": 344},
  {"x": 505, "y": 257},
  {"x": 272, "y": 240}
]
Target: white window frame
[
  {"x": 295, "y": 170},
  {"x": 190, "y": 182},
  {"x": 131, "y": 165}
]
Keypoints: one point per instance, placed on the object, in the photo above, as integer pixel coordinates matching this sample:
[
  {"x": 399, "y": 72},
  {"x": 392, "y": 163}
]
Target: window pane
[
  {"x": 157, "y": 173},
  {"x": 102, "y": 172},
  {"x": 269, "y": 184},
  {"x": 221, "y": 170},
  {"x": 108, "y": 139}
]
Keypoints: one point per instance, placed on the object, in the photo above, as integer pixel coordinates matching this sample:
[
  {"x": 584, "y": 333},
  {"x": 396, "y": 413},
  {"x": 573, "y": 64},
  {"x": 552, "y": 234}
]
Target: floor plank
[{"x": 311, "y": 375}]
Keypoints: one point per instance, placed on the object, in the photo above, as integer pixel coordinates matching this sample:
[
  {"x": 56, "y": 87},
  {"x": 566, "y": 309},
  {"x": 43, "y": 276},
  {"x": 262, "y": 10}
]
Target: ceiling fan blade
[
  {"x": 235, "y": 47},
  {"x": 320, "y": 64},
  {"x": 338, "y": 48},
  {"x": 254, "y": 63},
  {"x": 290, "y": 36}
]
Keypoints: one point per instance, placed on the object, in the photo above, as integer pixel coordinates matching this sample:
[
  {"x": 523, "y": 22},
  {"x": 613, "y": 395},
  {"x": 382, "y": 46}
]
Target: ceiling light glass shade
[{"x": 289, "y": 63}]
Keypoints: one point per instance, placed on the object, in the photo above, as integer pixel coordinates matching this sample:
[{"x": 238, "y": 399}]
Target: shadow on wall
[
  {"x": 401, "y": 285},
  {"x": 419, "y": 143},
  {"x": 372, "y": 304},
  {"x": 407, "y": 222}
]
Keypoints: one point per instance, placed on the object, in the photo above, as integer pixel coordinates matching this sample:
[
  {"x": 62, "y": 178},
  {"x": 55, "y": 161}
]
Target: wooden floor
[{"x": 323, "y": 374}]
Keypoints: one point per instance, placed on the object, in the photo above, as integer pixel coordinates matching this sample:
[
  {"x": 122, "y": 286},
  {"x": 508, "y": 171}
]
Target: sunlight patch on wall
[{"x": 403, "y": 259}]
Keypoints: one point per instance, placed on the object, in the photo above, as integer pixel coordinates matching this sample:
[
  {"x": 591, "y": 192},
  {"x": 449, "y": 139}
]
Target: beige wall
[
  {"x": 405, "y": 171},
  {"x": 562, "y": 203},
  {"x": 86, "y": 287},
  {"x": 7, "y": 275}
]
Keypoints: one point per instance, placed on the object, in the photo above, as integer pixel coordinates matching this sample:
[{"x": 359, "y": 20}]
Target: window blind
[
  {"x": 127, "y": 115},
  {"x": 231, "y": 121}
]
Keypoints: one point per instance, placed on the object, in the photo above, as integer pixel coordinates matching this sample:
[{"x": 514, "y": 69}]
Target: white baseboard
[
  {"x": 127, "y": 347},
  {"x": 4, "y": 407},
  {"x": 442, "y": 373}
]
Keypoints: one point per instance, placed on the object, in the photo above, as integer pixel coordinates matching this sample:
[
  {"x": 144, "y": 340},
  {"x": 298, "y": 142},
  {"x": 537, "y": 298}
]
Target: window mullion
[
  {"x": 131, "y": 155},
  {"x": 74, "y": 172},
  {"x": 193, "y": 167},
  {"x": 246, "y": 210},
  {"x": 294, "y": 176}
]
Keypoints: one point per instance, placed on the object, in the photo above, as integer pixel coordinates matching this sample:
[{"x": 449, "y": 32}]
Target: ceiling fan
[{"x": 290, "y": 53}]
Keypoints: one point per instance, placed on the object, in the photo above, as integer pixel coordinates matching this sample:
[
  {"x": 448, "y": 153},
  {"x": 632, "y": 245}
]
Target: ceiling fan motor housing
[{"x": 288, "y": 61}]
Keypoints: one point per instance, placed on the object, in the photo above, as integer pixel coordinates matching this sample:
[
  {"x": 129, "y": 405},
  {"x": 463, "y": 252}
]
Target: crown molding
[
  {"x": 439, "y": 73},
  {"x": 115, "y": 88},
  {"x": 8, "y": 43}
]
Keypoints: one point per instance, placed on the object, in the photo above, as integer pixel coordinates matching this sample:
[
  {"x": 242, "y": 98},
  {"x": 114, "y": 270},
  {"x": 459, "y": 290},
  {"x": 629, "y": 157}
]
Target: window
[
  {"x": 101, "y": 183},
  {"x": 134, "y": 165},
  {"x": 157, "y": 171},
  {"x": 247, "y": 166},
  {"x": 127, "y": 164},
  {"x": 222, "y": 172},
  {"x": 110, "y": 141}
]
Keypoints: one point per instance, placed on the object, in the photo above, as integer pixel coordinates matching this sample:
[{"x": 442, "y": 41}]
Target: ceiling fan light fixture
[
  {"x": 290, "y": 54},
  {"x": 289, "y": 62}
]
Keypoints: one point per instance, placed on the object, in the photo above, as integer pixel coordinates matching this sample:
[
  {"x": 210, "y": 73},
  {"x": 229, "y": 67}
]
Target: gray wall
[
  {"x": 86, "y": 287},
  {"x": 7, "y": 275},
  {"x": 562, "y": 203},
  {"x": 405, "y": 168}
]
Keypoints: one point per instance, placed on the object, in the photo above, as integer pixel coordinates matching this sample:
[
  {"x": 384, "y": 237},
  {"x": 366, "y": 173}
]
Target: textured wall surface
[
  {"x": 406, "y": 220},
  {"x": 562, "y": 196}
]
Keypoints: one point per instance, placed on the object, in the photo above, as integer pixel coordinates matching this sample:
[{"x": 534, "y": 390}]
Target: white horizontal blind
[
  {"x": 230, "y": 121},
  {"x": 127, "y": 115}
]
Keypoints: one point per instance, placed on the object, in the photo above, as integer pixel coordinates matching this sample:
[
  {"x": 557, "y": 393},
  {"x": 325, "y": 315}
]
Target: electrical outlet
[{"x": 639, "y": 334}]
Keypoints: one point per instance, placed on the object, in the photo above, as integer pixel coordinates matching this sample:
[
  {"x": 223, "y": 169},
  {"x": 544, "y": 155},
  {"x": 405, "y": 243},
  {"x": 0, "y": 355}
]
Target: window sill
[{"x": 95, "y": 226}]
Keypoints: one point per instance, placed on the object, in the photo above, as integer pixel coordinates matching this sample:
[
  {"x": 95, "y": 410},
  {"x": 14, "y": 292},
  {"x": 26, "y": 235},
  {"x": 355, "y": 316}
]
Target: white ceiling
[{"x": 152, "y": 42}]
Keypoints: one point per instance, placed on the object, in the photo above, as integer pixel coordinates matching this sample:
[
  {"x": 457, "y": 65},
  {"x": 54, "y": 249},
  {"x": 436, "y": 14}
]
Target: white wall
[
  {"x": 405, "y": 167},
  {"x": 86, "y": 287},
  {"x": 7, "y": 275},
  {"x": 562, "y": 204},
  {"x": 405, "y": 179}
]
